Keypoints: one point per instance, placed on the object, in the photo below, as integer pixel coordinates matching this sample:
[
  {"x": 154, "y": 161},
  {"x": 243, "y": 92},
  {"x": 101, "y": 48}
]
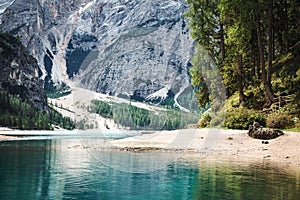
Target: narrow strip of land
[
  {"x": 220, "y": 143},
  {"x": 216, "y": 143}
]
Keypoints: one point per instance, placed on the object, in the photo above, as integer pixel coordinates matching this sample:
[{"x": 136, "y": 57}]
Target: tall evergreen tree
[{"x": 255, "y": 34}]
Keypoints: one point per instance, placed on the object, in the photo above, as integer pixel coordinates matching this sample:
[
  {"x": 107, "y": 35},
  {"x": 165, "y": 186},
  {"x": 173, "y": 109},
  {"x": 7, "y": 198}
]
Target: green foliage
[
  {"x": 55, "y": 92},
  {"x": 20, "y": 115},
  {"x": 242, "y": 118},
  {"x": 255, "y": 98},
  {"x": 101, "y": 108},
  {"x": 139, "y": 118},
  {"x": 280, "y": 120},
  {"x": 57, "y": 119},
  {"x": 286, "y": 76},
  {"x": 203, "y": 20},
  {"x": 291, "y": 108},
  {"x": 255, "y": 45},
  {"x": 200, "y": 87},
  {"x": 204, "y": 120},
  {"x": 297, "y": 126}
]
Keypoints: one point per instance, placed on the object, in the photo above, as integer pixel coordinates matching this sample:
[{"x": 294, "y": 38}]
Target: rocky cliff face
[
  {"x": 3, "y": 5},
  {"x": 19, "y": 73},
  {"x": 127, "y": 48}
]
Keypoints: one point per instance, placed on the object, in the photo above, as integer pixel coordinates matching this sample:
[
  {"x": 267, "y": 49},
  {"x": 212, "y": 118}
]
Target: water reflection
[
  {"x": 247, "y": 181},
  {"x": 50, "y": 169}
]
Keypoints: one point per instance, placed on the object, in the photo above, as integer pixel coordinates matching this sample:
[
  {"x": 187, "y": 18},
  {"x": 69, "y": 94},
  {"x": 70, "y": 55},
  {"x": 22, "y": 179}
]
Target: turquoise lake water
[{"x": 69, "y": 169}]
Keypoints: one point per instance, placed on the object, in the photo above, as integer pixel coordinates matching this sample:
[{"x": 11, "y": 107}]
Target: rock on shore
[{"x": 258, "y": 132}]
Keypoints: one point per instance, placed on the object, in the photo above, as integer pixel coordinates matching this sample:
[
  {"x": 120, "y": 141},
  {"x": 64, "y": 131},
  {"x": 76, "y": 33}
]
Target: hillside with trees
[
  {"x": 135, "y": 118},
  {"x": 23, "y": 102},
  {"x": 18, "y": 114},
  {"x": 256, "y": 47}
]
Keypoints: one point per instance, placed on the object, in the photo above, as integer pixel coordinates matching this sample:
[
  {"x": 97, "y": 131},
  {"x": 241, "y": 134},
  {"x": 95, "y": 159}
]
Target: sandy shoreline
[
  {"x": 219, "y": 144},
  {"x": 4, "y": 137},
  {"x": 210, "y": 143}
]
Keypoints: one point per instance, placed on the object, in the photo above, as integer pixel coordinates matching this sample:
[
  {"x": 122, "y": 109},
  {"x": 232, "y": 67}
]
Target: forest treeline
[
  {"x": 255, "y": 44},
  {"x": 18, "y": 114},
  {"x": 137, "y": 118}
]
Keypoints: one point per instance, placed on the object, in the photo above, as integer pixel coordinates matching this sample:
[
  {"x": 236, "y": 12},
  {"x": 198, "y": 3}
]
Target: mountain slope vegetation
[{"x": 23, "y": 102}]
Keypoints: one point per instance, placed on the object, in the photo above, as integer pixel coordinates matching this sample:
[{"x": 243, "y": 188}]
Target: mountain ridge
[{"x": 130, "y": 49}]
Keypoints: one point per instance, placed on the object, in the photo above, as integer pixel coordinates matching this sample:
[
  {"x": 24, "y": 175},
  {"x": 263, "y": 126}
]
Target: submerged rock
[{"x": 258, "y": 132}]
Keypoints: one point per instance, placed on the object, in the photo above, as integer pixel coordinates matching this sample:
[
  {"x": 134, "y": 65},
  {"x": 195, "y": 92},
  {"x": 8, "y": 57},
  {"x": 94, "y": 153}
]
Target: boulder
[{"x": 258, "y": 132}]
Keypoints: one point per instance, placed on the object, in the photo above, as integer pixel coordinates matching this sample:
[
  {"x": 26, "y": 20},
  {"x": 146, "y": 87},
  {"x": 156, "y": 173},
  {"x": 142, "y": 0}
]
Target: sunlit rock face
[{"x": 129, "y": 48}]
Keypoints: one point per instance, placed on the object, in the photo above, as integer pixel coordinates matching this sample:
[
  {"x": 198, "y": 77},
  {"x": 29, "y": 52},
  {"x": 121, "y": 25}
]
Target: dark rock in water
[
  {"x": 19, "y": 73},
  {"x": 258, "y": 132}
]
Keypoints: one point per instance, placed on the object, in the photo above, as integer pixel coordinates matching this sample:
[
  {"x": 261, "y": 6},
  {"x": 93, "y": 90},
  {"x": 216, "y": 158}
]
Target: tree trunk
[
  {"x": 267, "y": 88},
  {"x": 257, "y": 62},
  {"x": 286, "y": 16},
  {"x": 242, "y": 96},
  {"x": 222, "y": 44},
  {"x": 270, "y": 41}
]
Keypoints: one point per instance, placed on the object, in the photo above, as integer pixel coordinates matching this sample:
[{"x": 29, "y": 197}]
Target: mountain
[
  {"x": 19, "y": 73},
  {"x": 133, "y": 49},
  {"x": 3, "y": 5}
]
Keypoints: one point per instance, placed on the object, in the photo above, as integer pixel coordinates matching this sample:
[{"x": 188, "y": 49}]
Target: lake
[{"x": 77, "y": 168}]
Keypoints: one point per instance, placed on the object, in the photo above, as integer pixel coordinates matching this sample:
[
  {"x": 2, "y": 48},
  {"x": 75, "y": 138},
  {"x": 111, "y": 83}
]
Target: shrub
[
  {"x": 291, "y": 109},
  {"x": 204, "y": 120},
  {"x": 242, "y": 118},
  {"x": 297, "y": 124},
  {"x": 280, "y": 120}
]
